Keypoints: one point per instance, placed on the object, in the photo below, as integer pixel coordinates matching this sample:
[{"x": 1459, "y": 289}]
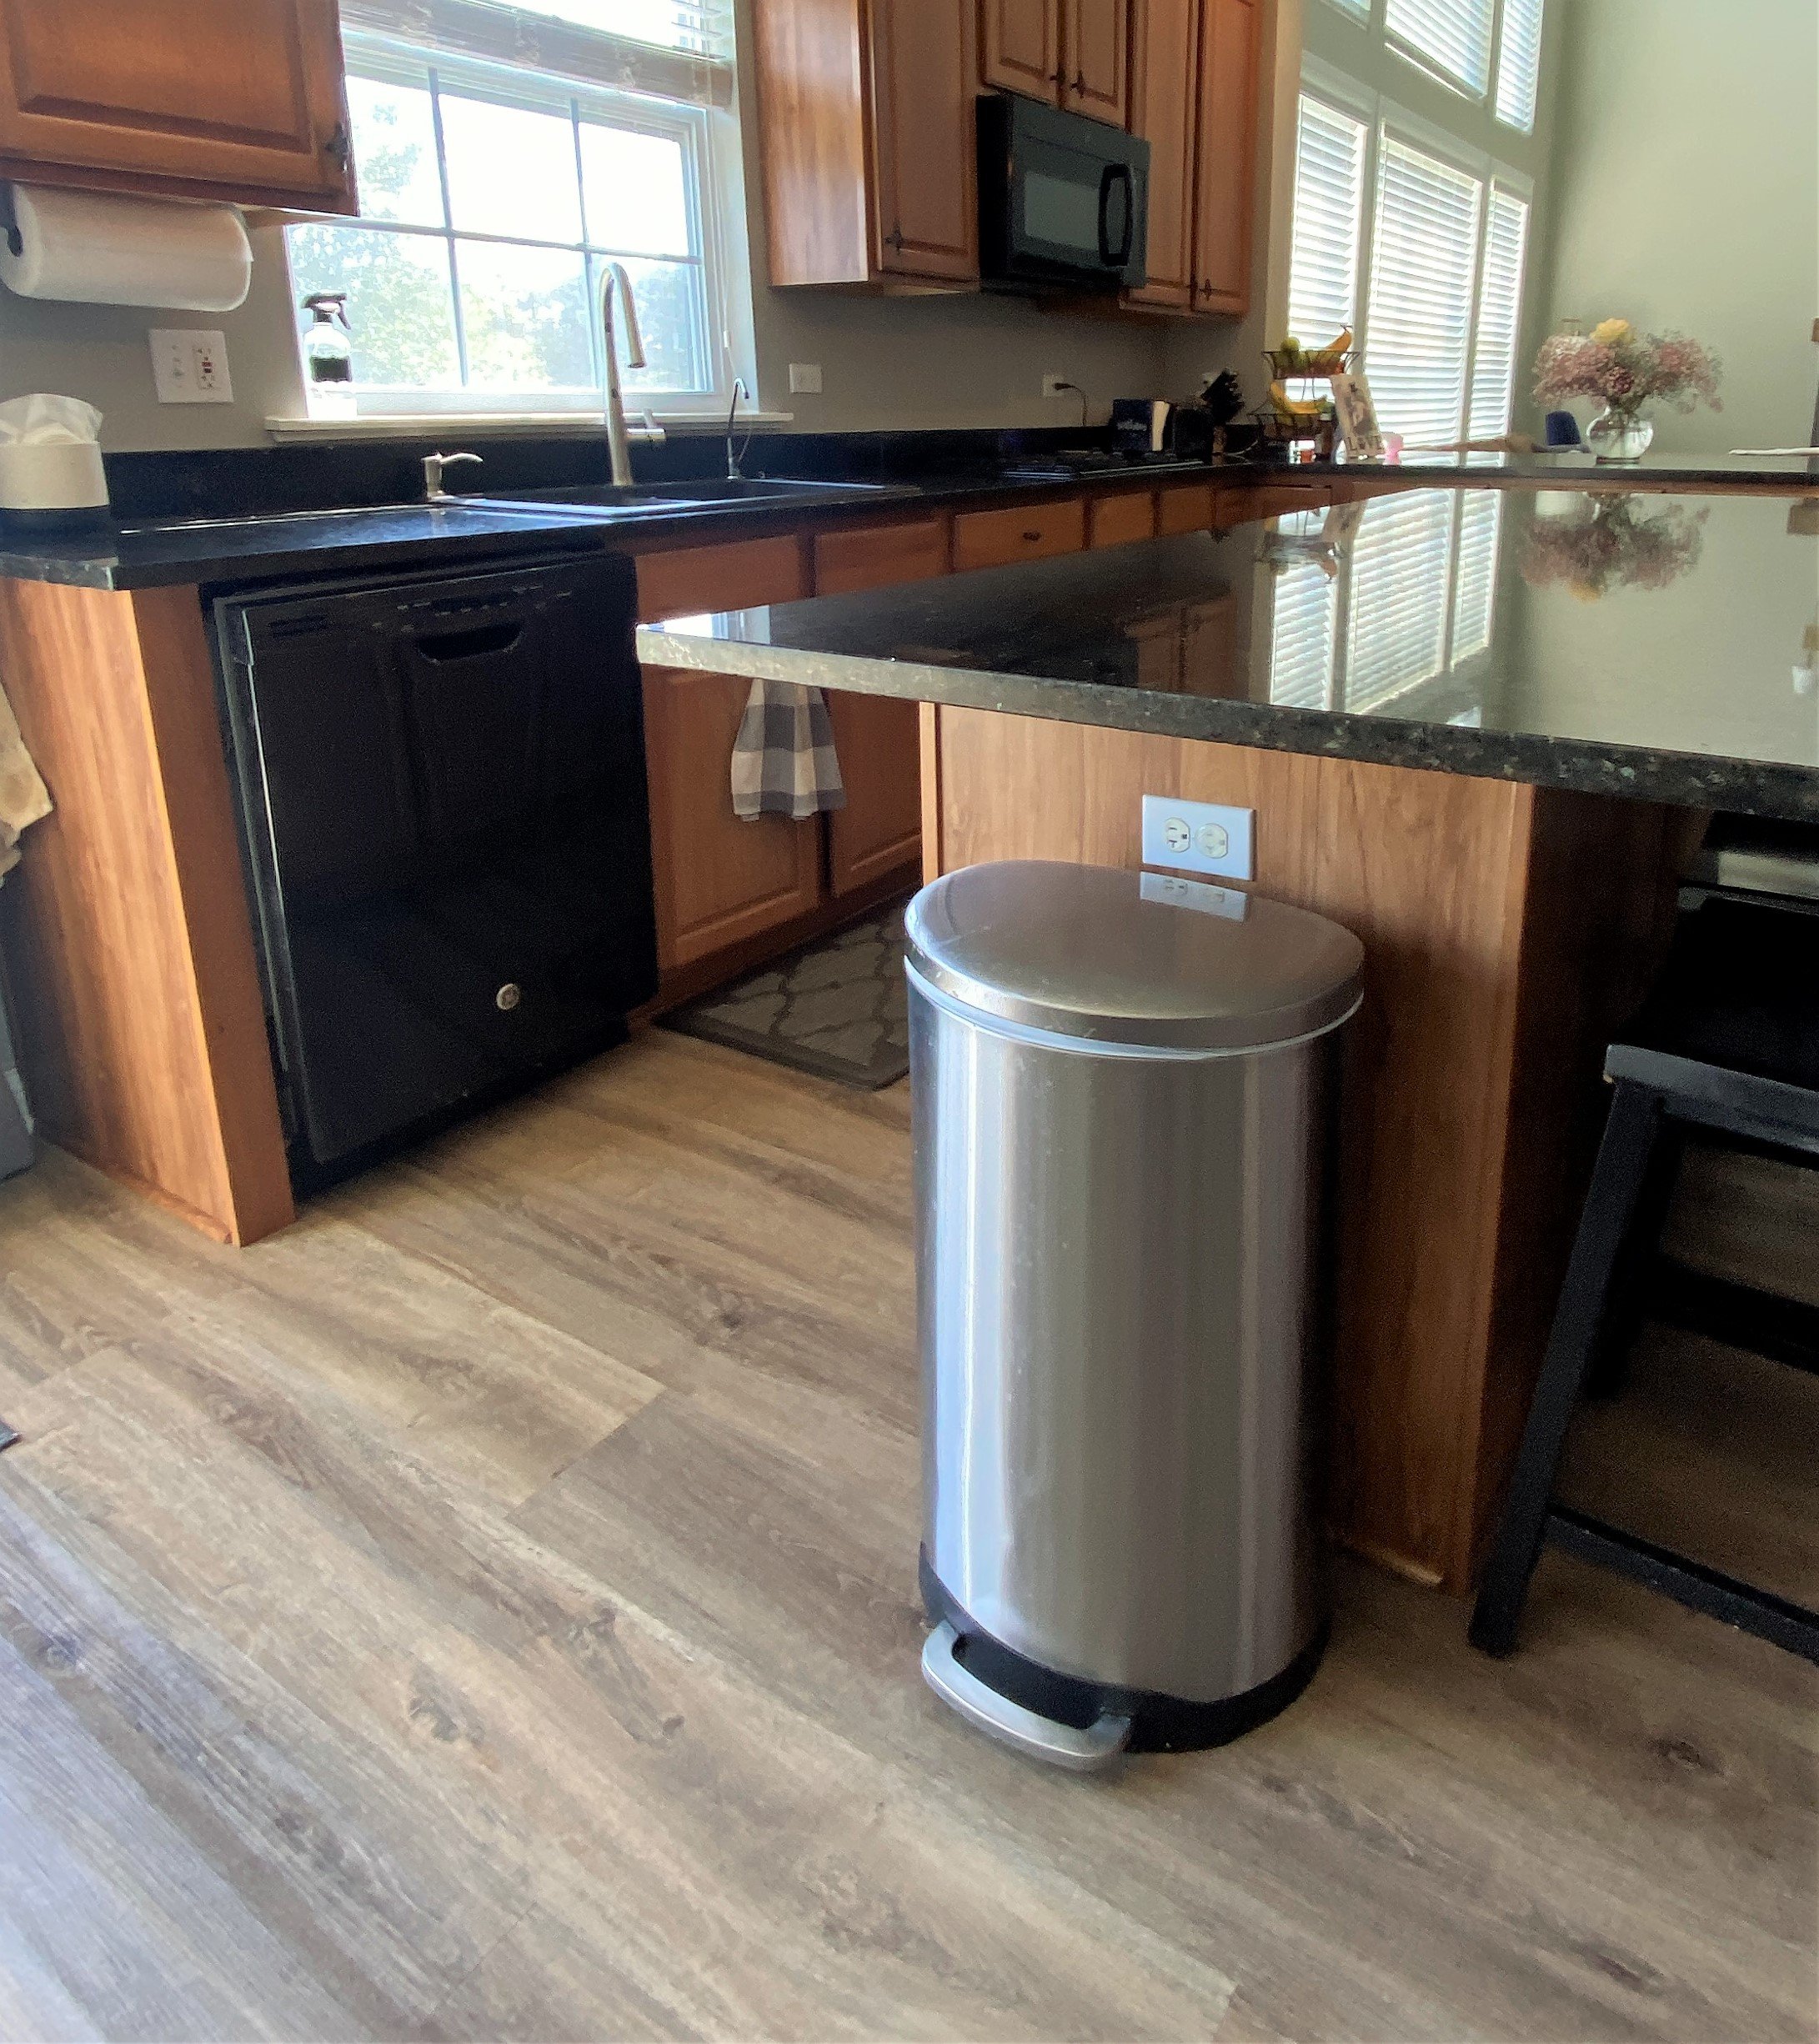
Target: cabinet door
[
  {"x": 994, "y": 538},
  {"x": 1020, "y": 46},
  {"x": 1095, "y": 52},
  {"x": 1188, "y": 507},
  {"x": 719, "y": 879},
  {"x": 879, "y": 738},
  {"x": 233, "y": 98},
  {"x": 1226, "y": 155},
  {"x": 1164, "y": 94},
  {"x": 924, "y": 188}
]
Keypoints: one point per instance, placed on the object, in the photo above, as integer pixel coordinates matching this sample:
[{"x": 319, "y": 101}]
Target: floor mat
[{"x": 837, "y": 1008}]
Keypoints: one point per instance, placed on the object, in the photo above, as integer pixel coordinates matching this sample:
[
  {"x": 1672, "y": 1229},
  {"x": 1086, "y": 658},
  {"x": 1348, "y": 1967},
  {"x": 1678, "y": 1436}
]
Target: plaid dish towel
[{"x": 783, "y": 762}]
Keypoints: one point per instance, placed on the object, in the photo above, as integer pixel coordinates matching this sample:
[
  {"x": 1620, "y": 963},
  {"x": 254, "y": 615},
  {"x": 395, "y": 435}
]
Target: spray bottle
[{"x": 328, "y": 357}]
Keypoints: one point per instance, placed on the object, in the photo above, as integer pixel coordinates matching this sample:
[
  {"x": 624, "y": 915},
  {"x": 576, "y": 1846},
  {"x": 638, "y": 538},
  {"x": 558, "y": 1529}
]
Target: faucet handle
[{"x": 433, "y": 465}]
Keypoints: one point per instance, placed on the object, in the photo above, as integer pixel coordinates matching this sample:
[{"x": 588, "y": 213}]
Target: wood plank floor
[{"x": 488, "y": 1609}]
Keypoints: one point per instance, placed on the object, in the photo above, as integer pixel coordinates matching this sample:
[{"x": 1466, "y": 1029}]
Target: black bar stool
[{"x": 1727, "y": 1044}]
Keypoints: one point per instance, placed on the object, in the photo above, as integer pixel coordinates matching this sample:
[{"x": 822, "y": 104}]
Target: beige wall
[{"x": 1686, "y": 195}]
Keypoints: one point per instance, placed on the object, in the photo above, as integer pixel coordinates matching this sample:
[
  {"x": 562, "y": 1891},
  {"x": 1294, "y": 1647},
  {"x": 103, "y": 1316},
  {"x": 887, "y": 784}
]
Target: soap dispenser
[{"x": 328, "y": 356}]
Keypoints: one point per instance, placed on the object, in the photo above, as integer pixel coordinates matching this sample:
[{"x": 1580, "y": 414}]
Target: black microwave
[{"x": 1063, "y": 199}]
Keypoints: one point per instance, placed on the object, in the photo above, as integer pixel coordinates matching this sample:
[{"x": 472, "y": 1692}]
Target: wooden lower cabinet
[
  {"x": 996, "y": 539},
  {"x": 1112, "y": 521},
  {"x": 719, "y": 879},
  {"x": 1188, "y": 507}
]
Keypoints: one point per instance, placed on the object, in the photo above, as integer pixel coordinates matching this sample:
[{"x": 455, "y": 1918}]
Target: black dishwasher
[{"x": 442, "y": 786}]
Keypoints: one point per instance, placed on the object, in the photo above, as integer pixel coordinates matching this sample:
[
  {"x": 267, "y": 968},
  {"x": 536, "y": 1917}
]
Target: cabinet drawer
[
  {"x": 1112, "y": 521},
  {"x": 872, "y": 557},
  {"x": 1186, "y": 509},
  {"x": 991, "y": 539},
  {"x": 687, "y": 581},
  {"x": 1239, "y": 506}
]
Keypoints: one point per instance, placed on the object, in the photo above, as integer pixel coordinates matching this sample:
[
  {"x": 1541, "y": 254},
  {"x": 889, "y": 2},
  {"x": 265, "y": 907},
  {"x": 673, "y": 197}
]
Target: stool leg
[
  {"x": 1629, "y": 1298},
  {"x": 1616, "y": 1186}
]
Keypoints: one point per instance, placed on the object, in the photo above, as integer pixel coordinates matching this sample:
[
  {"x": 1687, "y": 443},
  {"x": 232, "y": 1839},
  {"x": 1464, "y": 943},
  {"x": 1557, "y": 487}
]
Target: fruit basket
[{"x": 1297, "y": 364}]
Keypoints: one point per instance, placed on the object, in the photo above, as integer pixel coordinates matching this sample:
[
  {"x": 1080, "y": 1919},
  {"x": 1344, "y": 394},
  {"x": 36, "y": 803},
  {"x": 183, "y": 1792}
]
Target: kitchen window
[
  {"x": 1486, "y": 50},
  {"x": 504, "y": 156},
  {"x": 1420, "y": 248}
]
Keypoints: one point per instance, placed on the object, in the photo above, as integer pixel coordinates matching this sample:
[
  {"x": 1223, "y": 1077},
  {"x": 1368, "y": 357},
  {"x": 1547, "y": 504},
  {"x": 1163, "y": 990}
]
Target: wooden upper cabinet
[
  {"x": 867, "y": 131},
  {"x": 1165, "y": 95},
  {"x": 1020, "y": 46},
  {"x": 239, "y": 99},
  {"x": 1095, "y": 59},
  {"x": 1225, "y": 181},
  {"x": 925, "y": 194}
]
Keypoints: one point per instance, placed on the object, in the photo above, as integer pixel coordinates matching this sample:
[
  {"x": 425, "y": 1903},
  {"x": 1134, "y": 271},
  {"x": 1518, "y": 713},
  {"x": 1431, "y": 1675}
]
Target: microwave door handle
[{"x": 1113, "y": 175}]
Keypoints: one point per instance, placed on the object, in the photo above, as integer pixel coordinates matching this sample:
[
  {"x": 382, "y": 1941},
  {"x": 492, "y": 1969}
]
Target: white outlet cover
[
  {"x": 189, "y": 366},
  {"x": 806, "y": 379},
  {"x": 1199, "y": 837}
]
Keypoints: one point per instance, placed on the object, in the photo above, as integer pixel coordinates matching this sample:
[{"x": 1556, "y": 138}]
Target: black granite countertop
[
  {"x": 1655, "y": 646},
  {"x": 246, "y": 513}
]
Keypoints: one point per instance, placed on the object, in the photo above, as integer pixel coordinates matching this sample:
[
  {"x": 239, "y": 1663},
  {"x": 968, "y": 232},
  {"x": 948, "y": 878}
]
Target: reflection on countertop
[{"x": 1640, "y": 645}]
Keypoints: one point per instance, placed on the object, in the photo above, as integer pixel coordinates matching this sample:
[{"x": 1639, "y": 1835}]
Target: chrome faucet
[
  {"x": 618, "y": 435},
  {"x": 433, "y": 465},
  {"x": 734, "y": 472}
]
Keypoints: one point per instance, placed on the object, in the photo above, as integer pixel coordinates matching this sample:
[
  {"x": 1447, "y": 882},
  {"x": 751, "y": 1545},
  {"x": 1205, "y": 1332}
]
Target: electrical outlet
[
  {"x": 190, "y": 367},
  {"x": 806, "y": 379},
  {"x": 1202, "y": 837},
  {"x": 1056, "y": 386}
]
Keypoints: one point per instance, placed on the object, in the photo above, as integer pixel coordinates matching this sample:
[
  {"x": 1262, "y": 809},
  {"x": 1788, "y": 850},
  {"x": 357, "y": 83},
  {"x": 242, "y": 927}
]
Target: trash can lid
[{"x": 1139, "y": 958}]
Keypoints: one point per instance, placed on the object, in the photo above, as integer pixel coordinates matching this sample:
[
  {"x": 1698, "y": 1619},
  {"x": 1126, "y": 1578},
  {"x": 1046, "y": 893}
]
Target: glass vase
[{"x": 1620, "y": 436}]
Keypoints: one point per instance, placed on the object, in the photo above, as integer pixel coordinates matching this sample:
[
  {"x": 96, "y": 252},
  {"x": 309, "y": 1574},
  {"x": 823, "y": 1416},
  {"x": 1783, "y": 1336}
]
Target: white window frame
[{"x": 713, "y": 194}]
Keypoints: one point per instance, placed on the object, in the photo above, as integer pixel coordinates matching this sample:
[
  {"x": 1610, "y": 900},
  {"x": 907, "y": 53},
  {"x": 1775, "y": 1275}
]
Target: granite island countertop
[{"x": 1661, "y": 647}]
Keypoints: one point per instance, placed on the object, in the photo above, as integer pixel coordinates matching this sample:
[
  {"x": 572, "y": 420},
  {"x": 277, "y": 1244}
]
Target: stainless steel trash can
[{"x": 1120, "y": 1093}]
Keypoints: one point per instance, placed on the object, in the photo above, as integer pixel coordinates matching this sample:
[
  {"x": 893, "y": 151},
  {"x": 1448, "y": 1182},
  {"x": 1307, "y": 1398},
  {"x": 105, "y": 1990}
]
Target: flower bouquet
[
  {"x": 1615, "y": 547},
  {"x": 1624, "y": 370}
]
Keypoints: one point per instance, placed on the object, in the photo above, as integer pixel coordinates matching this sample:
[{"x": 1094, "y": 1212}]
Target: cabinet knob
[
  {"x": 1032, "y": 537},
  {"x": 337, "y": 148},
  {"x": 1080, "y": 84},
  {"x": 893, "y": 239}
]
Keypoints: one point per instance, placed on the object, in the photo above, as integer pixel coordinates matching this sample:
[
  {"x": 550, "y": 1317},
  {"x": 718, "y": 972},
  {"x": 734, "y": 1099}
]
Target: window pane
[
  {"x": 525, "y": 311},
  {"x": 1397, "y": 635},
  {"x": 672, "y": 316},
  {"x": 399, "y": 303},
  {"x": 637, "y": 191},
  {"x": 1420, "y": 293},
  {"x": 510, "y": 171},
  {"x": 1453, "y": 35},
  {"x": 1518, "y": 63},
  {"x": 394, "y": 152},
  {"x": 1500, "y": 306},
  {"x": 1329, "y": 193}
]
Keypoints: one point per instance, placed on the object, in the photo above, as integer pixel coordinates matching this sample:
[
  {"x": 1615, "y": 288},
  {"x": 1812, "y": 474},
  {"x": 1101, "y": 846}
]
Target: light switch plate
[
  {"x": 806, "y": 379},
  {"x": 190, "y": 367},
  {"x": 1199, "y": 837}
]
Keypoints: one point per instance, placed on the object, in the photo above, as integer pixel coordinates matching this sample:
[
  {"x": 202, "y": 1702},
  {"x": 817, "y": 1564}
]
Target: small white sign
[{"x": 1196, "y": 894}]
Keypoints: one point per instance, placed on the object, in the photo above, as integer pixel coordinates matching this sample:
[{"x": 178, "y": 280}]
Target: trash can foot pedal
[{"x": 1042, "y": 1738}]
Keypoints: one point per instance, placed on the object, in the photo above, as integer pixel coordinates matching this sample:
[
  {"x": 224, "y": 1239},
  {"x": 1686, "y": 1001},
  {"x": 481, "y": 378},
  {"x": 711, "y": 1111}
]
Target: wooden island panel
[{"x": 1507, "y": 929}]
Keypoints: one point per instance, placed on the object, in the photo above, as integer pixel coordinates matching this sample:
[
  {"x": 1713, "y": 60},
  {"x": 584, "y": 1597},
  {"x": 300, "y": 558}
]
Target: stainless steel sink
[{"x": 649, "y": 500}]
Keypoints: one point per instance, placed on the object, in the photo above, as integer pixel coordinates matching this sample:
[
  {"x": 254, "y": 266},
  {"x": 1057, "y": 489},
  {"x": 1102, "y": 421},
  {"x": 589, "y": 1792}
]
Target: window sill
[{"x": 445, "y": 425}]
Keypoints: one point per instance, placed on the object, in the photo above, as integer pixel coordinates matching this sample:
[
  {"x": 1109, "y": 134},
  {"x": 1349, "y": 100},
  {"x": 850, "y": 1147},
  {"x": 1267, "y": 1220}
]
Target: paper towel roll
[{"x": 102, "y": 250}]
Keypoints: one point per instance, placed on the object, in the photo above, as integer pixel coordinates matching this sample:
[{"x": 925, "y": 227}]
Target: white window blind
[
  {"x": 1500, "y": 311},
  {"x": 1305, "y": 610},
  {"x": 1418, "y": 329},
  {"x": 1452, "y": 36},
  {"x": 1518, "y": 63},
  {"x": 1329, "y": 201},
  {"x": 1480, "y": 527},
  {"x": 1401, "y": 565}
]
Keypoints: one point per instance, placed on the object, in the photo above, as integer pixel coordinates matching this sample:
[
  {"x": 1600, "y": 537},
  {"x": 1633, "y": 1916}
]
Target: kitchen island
[{"x": 1479, "y": 727}]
